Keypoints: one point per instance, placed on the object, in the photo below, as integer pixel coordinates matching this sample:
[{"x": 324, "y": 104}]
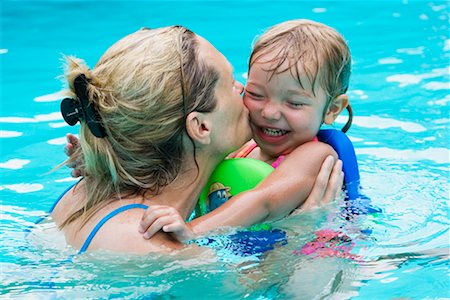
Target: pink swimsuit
[{"x": 249, "y": 147}]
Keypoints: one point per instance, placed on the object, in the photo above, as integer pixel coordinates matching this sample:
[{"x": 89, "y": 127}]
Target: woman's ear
[
  {"x": 198, "y": 127},
  {"x": 336, "y": 107}
]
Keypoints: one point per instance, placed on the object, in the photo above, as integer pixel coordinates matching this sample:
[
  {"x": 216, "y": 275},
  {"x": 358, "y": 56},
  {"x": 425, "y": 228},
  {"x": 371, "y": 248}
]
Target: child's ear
[
  {"x": 336, "y": 107},
  {"x": 198, "y": 127}
]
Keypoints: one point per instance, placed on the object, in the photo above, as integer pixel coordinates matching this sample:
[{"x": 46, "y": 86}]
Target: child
[{"x": 298, "y": 75}]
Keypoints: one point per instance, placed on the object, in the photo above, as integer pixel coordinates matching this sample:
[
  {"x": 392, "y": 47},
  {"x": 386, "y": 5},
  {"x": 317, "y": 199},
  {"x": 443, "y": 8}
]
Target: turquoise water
[{"x": 400, "y": 94}]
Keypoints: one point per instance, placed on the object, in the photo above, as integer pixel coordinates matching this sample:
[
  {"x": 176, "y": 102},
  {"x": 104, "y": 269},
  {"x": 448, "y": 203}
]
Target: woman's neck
[{"x": 183, "y": 193}]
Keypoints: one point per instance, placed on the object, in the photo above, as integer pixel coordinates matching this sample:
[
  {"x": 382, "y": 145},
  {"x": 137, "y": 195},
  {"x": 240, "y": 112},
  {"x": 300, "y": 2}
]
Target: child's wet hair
[{"x": 312, "y": 49}]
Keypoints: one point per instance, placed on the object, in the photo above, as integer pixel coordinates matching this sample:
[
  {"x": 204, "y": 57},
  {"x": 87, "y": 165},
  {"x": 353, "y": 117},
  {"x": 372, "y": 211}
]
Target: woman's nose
[{"x": 239, "y": 87}]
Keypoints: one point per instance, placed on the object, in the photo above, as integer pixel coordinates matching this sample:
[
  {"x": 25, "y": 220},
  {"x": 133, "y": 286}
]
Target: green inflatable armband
[{"x": 231, "y": 177}]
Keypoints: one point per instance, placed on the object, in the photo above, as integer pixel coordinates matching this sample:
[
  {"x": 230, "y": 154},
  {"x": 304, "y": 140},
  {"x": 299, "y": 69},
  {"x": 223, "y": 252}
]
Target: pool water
[{"x": 400, "y": 95}]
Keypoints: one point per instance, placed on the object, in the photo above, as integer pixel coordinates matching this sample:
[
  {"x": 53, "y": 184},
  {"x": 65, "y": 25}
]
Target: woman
[{"x": 158, "y": 112}]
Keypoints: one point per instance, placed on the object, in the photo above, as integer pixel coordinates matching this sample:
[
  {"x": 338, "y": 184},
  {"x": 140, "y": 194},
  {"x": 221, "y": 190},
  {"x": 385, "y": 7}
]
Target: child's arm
[
  {"x": 285, "y": 189},
  {"x": 276, "y": 196}
]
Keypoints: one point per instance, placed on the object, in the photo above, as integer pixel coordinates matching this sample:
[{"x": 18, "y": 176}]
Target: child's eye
[
  {"x": 295, "y": 104},
  {"x": 254, "y": 95}
]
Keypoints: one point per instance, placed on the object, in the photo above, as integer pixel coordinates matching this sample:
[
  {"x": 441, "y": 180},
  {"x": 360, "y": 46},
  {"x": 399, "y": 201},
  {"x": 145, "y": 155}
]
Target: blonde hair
[
  {"x": 314, "y": 49},
  {"x": 142, "y": 88}
]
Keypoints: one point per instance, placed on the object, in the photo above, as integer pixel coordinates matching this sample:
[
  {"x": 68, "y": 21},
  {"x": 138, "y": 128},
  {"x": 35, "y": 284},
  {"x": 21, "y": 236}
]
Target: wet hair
[
  {"x": 143, "y": 87},
  {"x": 312, "y": 49}
]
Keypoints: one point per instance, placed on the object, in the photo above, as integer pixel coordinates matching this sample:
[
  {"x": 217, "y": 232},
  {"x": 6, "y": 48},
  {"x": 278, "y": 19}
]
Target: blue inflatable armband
[{"x": 346, "y": 152}]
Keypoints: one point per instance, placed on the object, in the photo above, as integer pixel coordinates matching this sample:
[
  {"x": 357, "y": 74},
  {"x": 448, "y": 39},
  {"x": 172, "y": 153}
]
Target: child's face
[{"x": 283, "y": 115}]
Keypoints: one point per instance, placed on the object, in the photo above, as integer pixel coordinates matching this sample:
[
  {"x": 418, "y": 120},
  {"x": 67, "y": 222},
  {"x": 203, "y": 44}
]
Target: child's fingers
[
  {"x": 75, "y": 173},
  {"x": 179, "y": 229},
  {"x": 73, "y": 162},
  {"x": 72, "y": 144},
  {"x": 152, "y": 214},
  {"x": 157, "y": 225},
  {"x": 68, "y": 149},
  {"x": 175, "y": 226},
  {"x": 71, "y": 139}
]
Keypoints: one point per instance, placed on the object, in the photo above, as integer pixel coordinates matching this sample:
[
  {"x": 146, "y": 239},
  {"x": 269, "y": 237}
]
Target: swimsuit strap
[
  {"x": 249, "y": 147},
  {"x": 40, "y": 219},
  {"x": 245, "y": 151},
  {"x": 105, "y": 219},
  {"x": 278, "y": 161},
  {"x": 62, "y": 195}
]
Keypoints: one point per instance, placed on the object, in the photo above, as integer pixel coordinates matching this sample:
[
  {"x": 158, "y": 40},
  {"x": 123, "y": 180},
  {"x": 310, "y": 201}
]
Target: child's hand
[
  {"x": 72, "y": 150},
  {"x": 328, "y": 184},
  {"x": 167, "y": 219}
]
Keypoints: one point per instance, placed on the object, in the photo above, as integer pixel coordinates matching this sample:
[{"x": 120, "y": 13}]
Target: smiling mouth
[{"x": 274, "y": 132}]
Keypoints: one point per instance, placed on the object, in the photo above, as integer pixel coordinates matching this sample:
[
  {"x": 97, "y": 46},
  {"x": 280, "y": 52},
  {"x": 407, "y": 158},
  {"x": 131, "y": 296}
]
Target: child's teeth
[{"x": 273, "y": 132}]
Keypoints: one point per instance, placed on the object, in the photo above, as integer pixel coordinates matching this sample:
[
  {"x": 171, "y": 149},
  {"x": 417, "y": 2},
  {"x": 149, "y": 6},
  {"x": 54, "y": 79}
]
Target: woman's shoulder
[
  {"x": 121, "y": 234},
  {"x": 70, "y": 201},
  {"x": 114, "y": 227}
]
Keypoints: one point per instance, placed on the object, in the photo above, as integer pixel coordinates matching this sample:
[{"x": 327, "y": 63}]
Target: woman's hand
[
  {"x": 73, "y": 151},
  {"x": 328, "y": 184},
  {"x": 167, "y": 219}
]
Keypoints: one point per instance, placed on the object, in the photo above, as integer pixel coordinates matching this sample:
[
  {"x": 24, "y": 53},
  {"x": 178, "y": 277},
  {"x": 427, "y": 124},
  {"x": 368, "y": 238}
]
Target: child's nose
[{"x": 271, "y": 111}]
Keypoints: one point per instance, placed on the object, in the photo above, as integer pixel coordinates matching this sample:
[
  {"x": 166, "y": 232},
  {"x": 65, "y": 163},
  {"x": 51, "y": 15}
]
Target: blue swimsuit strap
[
  {"x": 105, "y": 219},
  {"x": 60, "y": 197},
  {"x": 40, "y": 219}
]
